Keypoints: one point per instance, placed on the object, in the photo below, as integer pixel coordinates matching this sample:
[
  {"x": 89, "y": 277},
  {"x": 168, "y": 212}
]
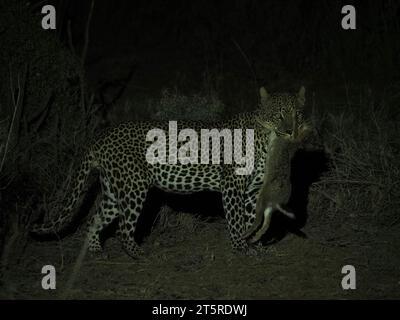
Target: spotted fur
[{"x": 126, "y": 176}]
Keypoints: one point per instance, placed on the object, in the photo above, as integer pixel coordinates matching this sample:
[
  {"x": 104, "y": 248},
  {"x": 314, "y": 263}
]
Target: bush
[
  {"x": 45, "y": 118},
  {"x": 176, "y": 106}
]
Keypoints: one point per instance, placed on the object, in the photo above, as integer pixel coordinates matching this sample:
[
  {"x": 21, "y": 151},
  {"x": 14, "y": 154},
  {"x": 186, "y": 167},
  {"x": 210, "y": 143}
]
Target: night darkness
[{"x": 109, "y": 62}]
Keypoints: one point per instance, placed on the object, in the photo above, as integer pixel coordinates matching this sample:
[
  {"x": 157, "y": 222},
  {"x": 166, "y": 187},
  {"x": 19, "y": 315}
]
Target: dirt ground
[{"x": 188, "y": 257}]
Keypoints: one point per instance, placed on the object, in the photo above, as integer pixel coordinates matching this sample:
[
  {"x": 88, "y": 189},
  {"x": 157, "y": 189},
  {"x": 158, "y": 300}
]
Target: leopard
[{"x": 118, "y": 156}]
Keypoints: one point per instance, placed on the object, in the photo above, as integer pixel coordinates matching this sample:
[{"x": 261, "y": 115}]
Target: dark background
[{"x": 121, "y": 60}]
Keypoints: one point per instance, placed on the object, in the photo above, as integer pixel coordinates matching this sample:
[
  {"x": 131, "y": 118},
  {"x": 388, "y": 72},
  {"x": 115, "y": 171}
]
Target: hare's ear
[
  {"x": 264, "y": 96},
  {"x": 301, "y": 96}
]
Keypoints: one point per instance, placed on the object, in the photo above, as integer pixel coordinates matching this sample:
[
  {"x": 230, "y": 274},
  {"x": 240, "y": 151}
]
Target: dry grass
[
  {"x": 167, "y": 220},
  {"x": 363, "y": 179}
]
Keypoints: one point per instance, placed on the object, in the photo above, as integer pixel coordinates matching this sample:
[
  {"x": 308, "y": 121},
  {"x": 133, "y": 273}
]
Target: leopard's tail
[{"x": 61, "y": 219}]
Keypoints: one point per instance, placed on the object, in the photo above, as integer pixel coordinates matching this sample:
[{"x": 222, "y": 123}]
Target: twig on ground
[{"x": 75, "y": 270}]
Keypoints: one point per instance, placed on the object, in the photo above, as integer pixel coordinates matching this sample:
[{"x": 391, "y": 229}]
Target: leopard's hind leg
[
  {"x": 132, "y": 198},
  {"x": 106, "y": 213}
]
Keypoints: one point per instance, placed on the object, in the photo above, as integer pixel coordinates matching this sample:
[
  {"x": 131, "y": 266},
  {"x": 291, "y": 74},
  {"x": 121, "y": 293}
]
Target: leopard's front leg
[{"x": 233, "y": 197}]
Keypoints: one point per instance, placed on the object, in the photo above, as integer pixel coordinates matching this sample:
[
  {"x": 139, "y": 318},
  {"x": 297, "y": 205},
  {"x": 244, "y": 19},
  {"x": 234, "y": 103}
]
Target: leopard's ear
[
  {"x": 264, "y": 96},
  {"x": 301, "y": 96}
]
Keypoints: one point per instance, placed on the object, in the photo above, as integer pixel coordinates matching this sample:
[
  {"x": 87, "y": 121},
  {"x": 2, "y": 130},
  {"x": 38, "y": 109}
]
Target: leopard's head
[{"x": 283, "y": 113}]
